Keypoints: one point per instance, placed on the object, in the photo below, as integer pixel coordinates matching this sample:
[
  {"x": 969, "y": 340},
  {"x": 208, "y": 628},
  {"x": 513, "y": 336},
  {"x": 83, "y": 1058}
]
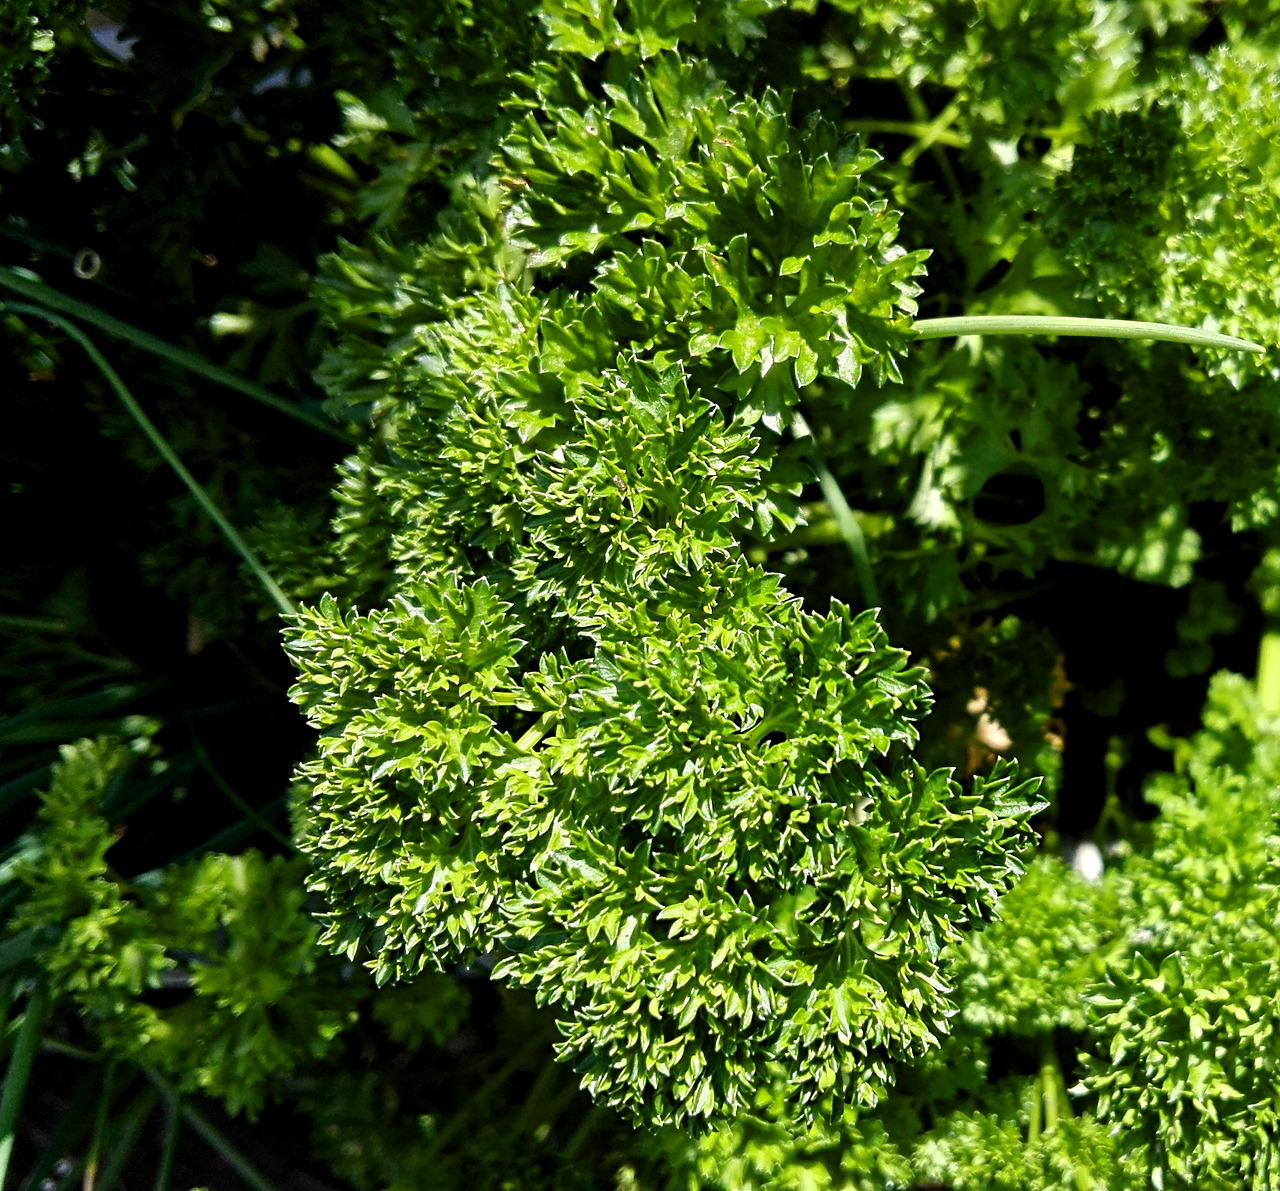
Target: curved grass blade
[
  {"x": 32, "y": 287},
  {"x": 167, "y": 453},
  {"x": 19, "y": 1072},
  {"x": 843, "y": 515},
  {"x": 212, "y": 1135},
  {"x": 72, "y": 1128}
]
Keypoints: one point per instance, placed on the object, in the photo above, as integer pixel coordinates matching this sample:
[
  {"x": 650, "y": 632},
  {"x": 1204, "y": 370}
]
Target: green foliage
[
  {"x": 1054, "y": 921},
  {"x": 990, "y": 1150},
  {"x": 593, "y": 368},
  {"x": 592, "y": 27},
  {"x": 230, "y": 929},
  {"x": 617, "y": 758},
  {"x": 1189, "y": 1006},
  {"x": 1005, "y": 68},
  {"x": 765, "y": 1151},
  {"x": 686, "y": 934},
  {"x": 1147, "y": 220},
  {"x": 28, "y": 38},
  {"x": 567, "y": 519},
  {"x": 781, "y": 251}
]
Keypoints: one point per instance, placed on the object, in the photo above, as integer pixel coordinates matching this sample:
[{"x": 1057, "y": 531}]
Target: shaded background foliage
[{"x": 307, "y": 203}]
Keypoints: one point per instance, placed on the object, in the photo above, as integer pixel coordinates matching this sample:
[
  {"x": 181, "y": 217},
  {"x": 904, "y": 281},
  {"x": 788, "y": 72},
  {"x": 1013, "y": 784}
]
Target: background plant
[{"x": 567, "y": 274}]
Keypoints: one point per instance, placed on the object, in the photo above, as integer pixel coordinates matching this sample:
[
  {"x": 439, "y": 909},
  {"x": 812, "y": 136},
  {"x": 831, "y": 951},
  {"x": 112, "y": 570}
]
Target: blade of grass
[
  {"x": 213, "y": 1137},
  {"x": 32, "y": 287},
  {"x": 93, "y": 1156},
  {"x": 74, "y": 716},
  {"x": 167, "y": 453},
  {"x": 124, "y": 1133},
  {"x": 252, "y": 815},
  {"x": 25, "y": 945},
  {"x": 9, "y": 991},
  {"x": 19, "y": 1072},
  {"x": 67, "y": 1134},
  {"x": 169, "y": 1142},
  {"x": 1092, "y": 328},
  {"x": 841, "y": 513}
]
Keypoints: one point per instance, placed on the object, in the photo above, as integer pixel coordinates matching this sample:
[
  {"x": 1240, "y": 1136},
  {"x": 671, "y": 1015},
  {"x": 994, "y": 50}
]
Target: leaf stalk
[{"x": 1090, "y": 328}]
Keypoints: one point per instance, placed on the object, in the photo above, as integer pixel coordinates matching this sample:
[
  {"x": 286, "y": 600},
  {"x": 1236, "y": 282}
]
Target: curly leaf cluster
[
  {"x": 584, "y": 737},
  {"x": 685, "y": 840},
  {"x": 1171, "y": 209},
  {"x": 592, "y": 28},
  {"x": 1187, "y": 1073},
  {"x": 1005, "y": 65},
  {"x": 788, "y": 257},
  {"x": 230, "y": 931}
]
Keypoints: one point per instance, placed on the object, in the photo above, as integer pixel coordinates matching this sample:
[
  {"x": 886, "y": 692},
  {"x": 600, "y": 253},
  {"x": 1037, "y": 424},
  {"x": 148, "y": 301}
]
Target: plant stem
[
  {"x": 841, "y": 513},
  {"x": 56, "y": 1046},
  {"x": 543, "y": 725},
  {"x": 255, "y": 817},
  {"x": 94, "y": 1156},
  {"x": 1269, "y": 670},
  {"x": 935, "y": 133},
  {"x": 1093, "y": 328},
  {"x": 470, "y": 1111},
  {"x": 1050, "y": 1079},
  {"x": 920, "y": 111},
  {"x": 32, "y": 287},
  {"x": 928, "y": 132},
  {"x": 1037, "y": 1107},
  {"x": 167, "y": 453},
  {"x": 169, "y": 1145},
  {"x": 65, "y": 1138},
  {"x": 19, "y": 1072},
  {"x": 590, "y": 1120},
  {"x": 124, "y": 1136},
  {"x": 212, "y": 1135}
]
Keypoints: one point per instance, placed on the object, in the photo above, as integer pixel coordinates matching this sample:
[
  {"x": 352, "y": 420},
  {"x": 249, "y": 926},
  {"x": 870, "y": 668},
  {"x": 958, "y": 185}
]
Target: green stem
[
  {"x": 594, "y": 1117},
  {"x": 166, "y": 452},
  {"x": 19, "y": 1072},
  {"x": 935, "y": 133},
  {"x": 124, "y": 1136},
  {"x": 169, "y": 1144},
  {"x": 1037, "y": 1107},
  {"x": 94, "y": 1156},
  {"x": 1050, "y": 1081},
  {"x": 254, "y": 817},
  {"x": 32, "y": 287},
  {"x": 544, "y": 724},
  {"x": 56, "y": 1046},
  {"x": 471, "y": 1111},
  {"x": 920, "y": 111},
  {"x": 926, "y": 133},
  {"x": 212, "y": 1136},
  {"x": 1269, "y": 670},
  {"x": 1094, "y": 328},
  {"x": 842, "y": 514},
  {"x": 65, "y": 1138}
]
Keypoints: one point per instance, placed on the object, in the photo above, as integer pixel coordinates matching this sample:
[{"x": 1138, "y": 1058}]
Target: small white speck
[{"x": 1086, "y": 860}]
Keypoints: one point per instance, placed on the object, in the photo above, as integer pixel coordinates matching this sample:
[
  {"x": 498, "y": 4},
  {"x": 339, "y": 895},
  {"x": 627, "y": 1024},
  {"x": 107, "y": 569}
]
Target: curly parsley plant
[{"x": 585, "y": 736}]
